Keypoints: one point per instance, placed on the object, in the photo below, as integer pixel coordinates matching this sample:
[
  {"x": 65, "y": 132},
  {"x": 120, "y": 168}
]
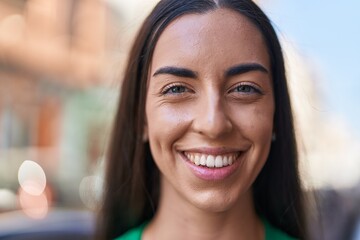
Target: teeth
[
  {"x": 225, "y": 161},
  {"x": 197, "y": 159},
  {"x": 218, "y": 161},
  {"x": 230, "y": 160},
  {"x": 203, "y": 160},
  {"x": 211, "y": 161}
]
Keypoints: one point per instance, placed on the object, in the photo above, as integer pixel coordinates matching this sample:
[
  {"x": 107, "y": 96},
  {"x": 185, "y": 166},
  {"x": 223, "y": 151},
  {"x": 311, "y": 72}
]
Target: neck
[{"x": 177, "y": 218}]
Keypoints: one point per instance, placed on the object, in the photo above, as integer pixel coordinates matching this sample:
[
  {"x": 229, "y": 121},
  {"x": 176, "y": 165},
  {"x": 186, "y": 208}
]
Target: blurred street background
[{"x": 61, "y": 63}]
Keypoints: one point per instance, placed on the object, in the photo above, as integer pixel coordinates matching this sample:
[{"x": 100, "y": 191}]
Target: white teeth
[
  {"x": 211, "y": 161},
  {"x": 225, "y": 161},
  {"x": 218, "y": 161},
  {"x": 230, "y": 160},
  {"x": 203, "y": 160},
  {"x": 197, "y": 160}
]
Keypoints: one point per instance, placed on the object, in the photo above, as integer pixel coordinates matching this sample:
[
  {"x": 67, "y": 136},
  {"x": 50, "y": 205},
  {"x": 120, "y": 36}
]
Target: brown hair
[{"x": 131, "y": 189}]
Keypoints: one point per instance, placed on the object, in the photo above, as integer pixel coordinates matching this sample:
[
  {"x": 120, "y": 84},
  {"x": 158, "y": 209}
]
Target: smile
[{"x": 212, "y": 161}]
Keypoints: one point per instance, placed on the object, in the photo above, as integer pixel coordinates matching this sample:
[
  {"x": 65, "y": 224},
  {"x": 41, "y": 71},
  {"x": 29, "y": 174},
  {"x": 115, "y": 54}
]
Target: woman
[{"x": 203, "y": 145}]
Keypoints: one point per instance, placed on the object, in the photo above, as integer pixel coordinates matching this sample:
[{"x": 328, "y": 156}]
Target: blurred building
[{"x": 55, "y": 106}]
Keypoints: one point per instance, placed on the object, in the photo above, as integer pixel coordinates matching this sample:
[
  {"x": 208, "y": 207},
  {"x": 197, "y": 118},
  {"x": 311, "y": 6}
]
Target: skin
[{"x": 208, "y": 111}]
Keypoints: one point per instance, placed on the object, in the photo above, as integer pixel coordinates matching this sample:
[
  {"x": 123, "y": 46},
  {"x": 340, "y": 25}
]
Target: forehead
[{"x": 220, "y": 34}]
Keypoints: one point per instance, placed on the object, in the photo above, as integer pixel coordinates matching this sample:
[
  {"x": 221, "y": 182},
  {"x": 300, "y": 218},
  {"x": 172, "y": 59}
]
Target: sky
[{"x": 328, "y": 34}]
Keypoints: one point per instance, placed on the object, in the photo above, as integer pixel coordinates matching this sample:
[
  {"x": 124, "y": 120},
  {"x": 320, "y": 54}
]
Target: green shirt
[{"x": 271, "y": 233}]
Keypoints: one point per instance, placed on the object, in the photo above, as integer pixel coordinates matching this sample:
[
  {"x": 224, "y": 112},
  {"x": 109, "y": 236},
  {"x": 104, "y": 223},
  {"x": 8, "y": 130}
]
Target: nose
[{"x": 211, "y": 118}]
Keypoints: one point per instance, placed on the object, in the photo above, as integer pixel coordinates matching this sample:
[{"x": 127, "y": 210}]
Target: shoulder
[
  {"x": 132, "y": 234},
  {"x": 272, "y": 233}
]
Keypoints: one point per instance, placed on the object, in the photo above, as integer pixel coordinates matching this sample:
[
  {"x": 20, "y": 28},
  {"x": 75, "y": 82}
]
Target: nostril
[{"x": 213, "y": 126}]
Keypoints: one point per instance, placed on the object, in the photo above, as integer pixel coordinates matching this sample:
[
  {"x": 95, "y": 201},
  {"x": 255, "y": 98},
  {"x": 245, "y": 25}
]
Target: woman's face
[{"x": 210, "y": 108}]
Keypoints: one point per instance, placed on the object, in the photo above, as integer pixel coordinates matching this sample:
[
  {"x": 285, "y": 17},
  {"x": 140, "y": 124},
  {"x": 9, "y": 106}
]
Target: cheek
[
  {"x": 256, "y": 122},
  {"x": 263, "y": 121},
  {"x": 165, "y": 125},
  {"x": 256, "y": 126}
]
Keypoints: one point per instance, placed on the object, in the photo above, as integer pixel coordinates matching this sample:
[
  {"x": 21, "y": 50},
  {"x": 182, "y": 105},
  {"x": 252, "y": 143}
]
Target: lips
[
  {"x": 211, "y": 160},
  {"x": 212, "y": 164}
]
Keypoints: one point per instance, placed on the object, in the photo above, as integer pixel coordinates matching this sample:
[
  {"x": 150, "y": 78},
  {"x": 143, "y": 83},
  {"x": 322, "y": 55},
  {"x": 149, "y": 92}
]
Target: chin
[{"x": 214, "y": 202}]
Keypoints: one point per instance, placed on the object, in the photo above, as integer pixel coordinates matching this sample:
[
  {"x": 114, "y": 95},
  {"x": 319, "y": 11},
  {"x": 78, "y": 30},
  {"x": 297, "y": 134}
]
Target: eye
[
  {"x": 175, "y": 89},
  {"x": 246, "y": 88}
]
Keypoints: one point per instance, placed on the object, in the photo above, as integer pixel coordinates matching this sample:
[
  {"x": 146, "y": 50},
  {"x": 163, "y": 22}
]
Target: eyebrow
[
  {"x": 244, "y": 68},
  {"x": 233, "y": 71},
  {"x": 176, "y": 71}
]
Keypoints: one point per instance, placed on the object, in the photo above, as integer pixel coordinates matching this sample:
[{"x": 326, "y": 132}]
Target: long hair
[{"x": 131, "y": 190}]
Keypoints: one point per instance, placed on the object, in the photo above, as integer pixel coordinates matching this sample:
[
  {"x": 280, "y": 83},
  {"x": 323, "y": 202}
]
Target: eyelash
[
  {"x": 169, "y": 88},
  {"x": 172, "y": 87},
  {"x": 252, "y": 87}
]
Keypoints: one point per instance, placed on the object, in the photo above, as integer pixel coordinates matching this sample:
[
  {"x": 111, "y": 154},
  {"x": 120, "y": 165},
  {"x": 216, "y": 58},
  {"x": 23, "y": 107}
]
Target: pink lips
[{"x": 212, "y": 174}]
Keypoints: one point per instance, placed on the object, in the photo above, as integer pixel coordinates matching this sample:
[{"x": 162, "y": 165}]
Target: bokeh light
[
  {"x": 32, "y": 178},
  {"x": 90, "y": 190},
  {"x": 7, "y": 199},
  {"x": 34, "y": 206},
  {"x": 32, "y": 197}
]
